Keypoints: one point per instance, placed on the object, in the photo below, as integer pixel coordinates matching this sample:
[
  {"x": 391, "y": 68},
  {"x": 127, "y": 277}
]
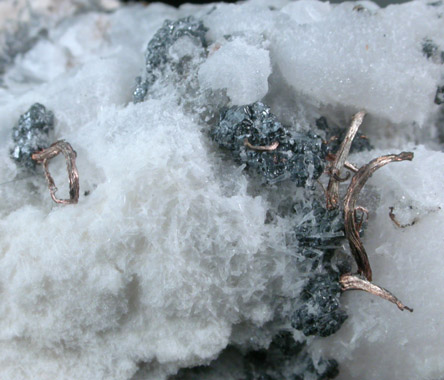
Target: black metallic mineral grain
[
  {"x": 31, "y": 134},
  {"x": 157, "y": 55},
  {"x": 319, "y": 312},
  {"x": 255, "y": 137}
]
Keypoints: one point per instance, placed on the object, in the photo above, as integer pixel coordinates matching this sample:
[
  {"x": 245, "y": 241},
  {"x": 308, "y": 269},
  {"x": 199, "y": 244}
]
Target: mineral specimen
[
  {"x": 255, "y": 137},
  {"x": 158, "y": 55},
  {"x": 31, "y": 134},
  {"x": 172, "y": 258},
  {"x": 320, "y": 312}
]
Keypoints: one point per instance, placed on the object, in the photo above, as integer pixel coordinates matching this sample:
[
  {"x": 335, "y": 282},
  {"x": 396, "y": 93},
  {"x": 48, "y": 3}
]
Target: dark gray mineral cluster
[
  {"x": 250, "y": 131},
  {"x": 31, "y": 134},
  {"x": 158, "y": 57},
  {"x": 288, "y": 359},
  {"x": 284, "y": 359},
  {"x": 253, "y": 136},
  {"x": 319, "y": 234},
  {"x": 319, "y": 312}
]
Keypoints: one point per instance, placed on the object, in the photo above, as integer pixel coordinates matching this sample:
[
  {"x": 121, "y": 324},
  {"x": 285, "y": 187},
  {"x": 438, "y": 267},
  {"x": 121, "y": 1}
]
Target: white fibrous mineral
[
  {"x": 238, "y": 67},
  {"x": 201, "y": 246}
]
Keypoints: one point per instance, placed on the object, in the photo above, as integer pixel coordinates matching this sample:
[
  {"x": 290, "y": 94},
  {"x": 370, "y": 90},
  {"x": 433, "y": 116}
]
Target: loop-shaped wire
[{"x": 70, "y": 154}]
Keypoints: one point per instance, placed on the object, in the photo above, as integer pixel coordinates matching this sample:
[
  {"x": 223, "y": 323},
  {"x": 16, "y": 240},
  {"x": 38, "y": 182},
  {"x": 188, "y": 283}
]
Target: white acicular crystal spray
[{"x": 202, "y": 245}]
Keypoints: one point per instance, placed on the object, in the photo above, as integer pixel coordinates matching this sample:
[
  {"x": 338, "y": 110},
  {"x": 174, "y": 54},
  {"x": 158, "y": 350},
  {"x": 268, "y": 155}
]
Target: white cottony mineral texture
[
  {"x": 191, "y": 253},
  {"x": 241, "y": 69},
  {"x": 366, "y": 58}
]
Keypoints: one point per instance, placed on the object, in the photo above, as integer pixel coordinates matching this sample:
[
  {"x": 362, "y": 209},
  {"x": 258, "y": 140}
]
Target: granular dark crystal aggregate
[
  {"x": 31, "y": 134},
  {"x": 335, "y": 136},
  {"x": 298, "y": 157},
  {"x": 157, "y": 55},
  {"x": 319, "y": 312}
]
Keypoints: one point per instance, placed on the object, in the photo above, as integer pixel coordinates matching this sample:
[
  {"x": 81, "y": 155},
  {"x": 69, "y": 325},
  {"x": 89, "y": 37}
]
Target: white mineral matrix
[{"x": 200, "y": 247}]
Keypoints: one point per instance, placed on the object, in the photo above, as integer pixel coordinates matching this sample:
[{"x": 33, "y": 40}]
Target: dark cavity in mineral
[
  {"x": 335, "y": 136},
  {"x": 319, "y": 312},
  {"x": 31, "y": 134},
  {"x": 246, "y": 130},
  {"x": 157, "y": 55}
]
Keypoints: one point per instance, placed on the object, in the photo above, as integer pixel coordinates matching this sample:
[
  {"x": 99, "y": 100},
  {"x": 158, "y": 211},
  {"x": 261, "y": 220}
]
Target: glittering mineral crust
[
  {"x": 320, "y": 312},
  {"x": 158, "y": 55},
  {"x": 31, "y": 134},
  {"x": 297, "y": 157}
]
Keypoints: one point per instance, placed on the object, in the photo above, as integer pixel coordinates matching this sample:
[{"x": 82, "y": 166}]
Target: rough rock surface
[{"x": 180, "y": 260}]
